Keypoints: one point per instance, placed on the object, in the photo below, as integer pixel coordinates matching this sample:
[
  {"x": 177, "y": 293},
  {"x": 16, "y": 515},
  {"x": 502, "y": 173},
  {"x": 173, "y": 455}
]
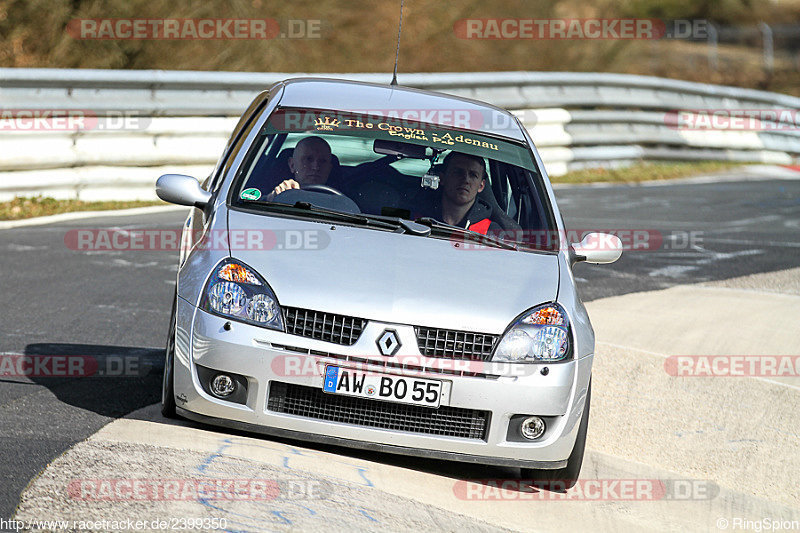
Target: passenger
[
  {"x": 310, "y": 164},
  {"x": 463, "y": 177}
]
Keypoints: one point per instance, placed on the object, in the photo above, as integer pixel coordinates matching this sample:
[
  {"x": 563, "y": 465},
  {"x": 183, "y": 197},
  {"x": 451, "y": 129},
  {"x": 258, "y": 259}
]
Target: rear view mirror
[
  {"x": 399, "y": 149},
  {"x": 182, "y": 190},
  {"x": 598, "y": 248}
]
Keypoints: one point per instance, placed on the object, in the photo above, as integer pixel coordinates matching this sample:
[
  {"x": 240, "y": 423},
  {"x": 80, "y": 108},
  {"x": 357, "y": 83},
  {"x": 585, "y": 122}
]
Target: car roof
[{"x": 356, "y": 96}]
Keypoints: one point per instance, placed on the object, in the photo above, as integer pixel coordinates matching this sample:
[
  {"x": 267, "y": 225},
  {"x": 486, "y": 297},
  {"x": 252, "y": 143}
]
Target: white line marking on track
[{"x": 64, "y": 217}]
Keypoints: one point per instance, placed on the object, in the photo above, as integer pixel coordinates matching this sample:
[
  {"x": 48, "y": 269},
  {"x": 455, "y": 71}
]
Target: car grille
[
  {"x": 311, "y": 402},
  {"x": 452, "y": 344},
  {"x": 328, "y": 327}
]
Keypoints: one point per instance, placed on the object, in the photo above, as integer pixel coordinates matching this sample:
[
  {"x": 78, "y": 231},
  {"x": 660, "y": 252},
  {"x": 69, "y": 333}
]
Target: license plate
[{"x": 390, "y": 388}]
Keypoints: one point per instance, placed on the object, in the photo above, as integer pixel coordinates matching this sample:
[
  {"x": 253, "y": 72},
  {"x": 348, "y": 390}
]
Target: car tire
[
  {"x": 168, "y": 383},
  {"x": 565, "y": 478}
]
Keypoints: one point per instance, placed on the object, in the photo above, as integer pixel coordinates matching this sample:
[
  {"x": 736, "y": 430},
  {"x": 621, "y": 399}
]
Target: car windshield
[{"x": 375, "y": 169}]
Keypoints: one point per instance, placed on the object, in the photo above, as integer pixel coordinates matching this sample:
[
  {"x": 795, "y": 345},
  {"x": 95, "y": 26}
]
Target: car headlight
[
  {"x": 236, "y": 291},
  {"x": 541, "y": 335}
]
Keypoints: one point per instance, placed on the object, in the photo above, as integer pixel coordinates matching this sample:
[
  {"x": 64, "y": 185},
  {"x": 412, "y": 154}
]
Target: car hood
[{"x": 392, "y": 277}]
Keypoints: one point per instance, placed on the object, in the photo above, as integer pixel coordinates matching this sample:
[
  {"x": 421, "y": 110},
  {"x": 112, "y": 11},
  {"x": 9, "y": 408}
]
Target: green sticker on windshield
[{"x": 250, "y": 194}]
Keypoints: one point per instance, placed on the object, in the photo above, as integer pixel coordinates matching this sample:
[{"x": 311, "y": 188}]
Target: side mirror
[
  {"x": 182, "y": 190},
  {"x": 598, "y": 249}
]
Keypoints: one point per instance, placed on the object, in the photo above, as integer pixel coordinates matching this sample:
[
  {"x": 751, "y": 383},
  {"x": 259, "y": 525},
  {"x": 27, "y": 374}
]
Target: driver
[
  {"x": 310, "y": 164},
  {"x": 463, "y": 177}
]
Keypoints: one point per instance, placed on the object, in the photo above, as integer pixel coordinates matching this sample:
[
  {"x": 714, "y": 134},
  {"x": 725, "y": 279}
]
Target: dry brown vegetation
[
  {"x": 359, "y": 36},
  {"x": 19, "y": 207}
]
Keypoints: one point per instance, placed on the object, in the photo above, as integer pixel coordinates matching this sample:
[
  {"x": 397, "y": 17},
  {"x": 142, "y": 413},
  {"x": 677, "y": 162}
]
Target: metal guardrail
[
  {"x": 157, "y": 92},
  {"x": 576, "y": 119}
]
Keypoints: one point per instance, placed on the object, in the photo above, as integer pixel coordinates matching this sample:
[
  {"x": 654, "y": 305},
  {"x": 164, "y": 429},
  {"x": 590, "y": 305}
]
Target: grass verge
[
  {"x": 20, "y": 208},
  {"x": 646, "y": 171}
]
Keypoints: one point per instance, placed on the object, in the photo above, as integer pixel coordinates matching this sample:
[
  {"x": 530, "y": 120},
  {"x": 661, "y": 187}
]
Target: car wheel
[
  {"x": 168, "y": 385},
  {"x": 565, "y": 478}
]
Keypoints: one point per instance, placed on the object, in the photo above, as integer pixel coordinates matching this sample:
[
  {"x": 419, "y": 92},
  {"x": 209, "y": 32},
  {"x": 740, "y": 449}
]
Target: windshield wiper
[
  {"x": 313, "y": 211},
  {"x": 440, "y": 228},
  {"x": 410, "y": 226}
]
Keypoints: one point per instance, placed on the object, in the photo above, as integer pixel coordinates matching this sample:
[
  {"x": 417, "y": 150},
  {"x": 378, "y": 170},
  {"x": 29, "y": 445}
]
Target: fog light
[
  {"x": 222, "y": 386},
  {"x": 532, "y": 427}
]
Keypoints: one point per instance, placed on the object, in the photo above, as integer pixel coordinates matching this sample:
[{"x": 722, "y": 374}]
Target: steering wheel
[{"x": 322, "y": 188}]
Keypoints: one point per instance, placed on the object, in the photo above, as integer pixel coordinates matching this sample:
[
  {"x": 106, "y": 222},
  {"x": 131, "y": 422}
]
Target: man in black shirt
[{"x": 463, "y": 177}]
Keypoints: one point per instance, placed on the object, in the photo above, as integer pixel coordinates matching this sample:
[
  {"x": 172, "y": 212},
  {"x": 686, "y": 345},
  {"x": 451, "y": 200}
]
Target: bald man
[{"x": 310, "y": 164}]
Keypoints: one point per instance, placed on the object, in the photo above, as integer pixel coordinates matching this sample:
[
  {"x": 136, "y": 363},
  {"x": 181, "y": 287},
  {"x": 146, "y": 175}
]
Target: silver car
[{"x": 383, "y": 268}]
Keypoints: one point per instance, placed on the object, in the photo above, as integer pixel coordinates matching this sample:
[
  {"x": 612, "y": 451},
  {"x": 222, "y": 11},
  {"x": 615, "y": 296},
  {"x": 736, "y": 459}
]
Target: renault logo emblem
[{"x": 388, "y": 343}]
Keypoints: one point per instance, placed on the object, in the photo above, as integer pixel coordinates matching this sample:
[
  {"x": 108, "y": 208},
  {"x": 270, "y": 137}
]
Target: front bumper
[{"x": 261, "y": 356}]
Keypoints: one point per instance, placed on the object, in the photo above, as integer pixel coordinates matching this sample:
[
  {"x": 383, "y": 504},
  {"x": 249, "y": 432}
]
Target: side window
[
  {"x": 531, "y": 209},
  {"x": 502, "y": 189},
  {"x": 231, "y": 155},
  {"x": 262, "y": 155},
  {"x": 214, "y": 181},
  {"x": 507, "y": 200}
]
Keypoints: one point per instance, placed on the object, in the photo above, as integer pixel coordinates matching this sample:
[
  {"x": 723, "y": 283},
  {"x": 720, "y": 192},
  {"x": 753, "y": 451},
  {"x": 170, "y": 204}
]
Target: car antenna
[{"x": 397, "y": 52}]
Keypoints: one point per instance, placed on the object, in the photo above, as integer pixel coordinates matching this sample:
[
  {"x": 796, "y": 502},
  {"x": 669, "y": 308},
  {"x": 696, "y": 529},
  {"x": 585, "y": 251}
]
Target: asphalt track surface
[{"x": 115, "y": 304}]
